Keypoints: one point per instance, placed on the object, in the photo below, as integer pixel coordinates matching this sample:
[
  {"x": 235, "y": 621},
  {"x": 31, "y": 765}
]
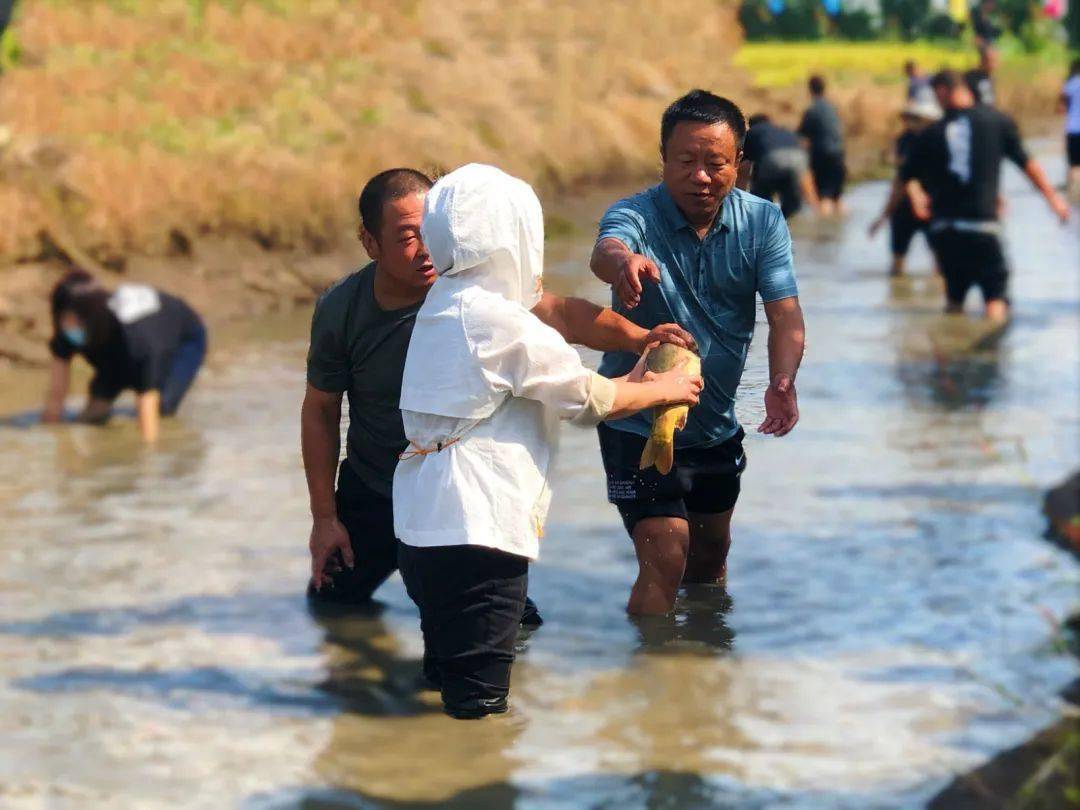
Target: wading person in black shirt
[
  {"x": 903, "y": 224},
  {"x": 824, "y": 136},
  {"x": 136, "y": 337},
  {"x": 779, "y": 165},
  {"x": 360, "y": 334},
  {"x": 952, "y": 177}
]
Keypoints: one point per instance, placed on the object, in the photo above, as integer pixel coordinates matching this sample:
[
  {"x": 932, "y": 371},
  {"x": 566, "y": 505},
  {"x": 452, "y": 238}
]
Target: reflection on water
[
  {"x": 698, "y": 623},
  {"x": 882, "y": 626}
]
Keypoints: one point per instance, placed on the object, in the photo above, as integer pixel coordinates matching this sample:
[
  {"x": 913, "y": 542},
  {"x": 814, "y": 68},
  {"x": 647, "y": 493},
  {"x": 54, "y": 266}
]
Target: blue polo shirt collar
[{"x": 676, "y": 221}]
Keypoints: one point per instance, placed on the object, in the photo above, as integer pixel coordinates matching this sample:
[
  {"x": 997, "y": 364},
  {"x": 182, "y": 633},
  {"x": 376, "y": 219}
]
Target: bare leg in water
[{"x": 671, "y": 551}]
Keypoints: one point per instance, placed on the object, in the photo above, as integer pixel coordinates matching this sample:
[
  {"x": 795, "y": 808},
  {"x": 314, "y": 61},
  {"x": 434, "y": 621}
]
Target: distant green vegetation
[
  {"x": 906, "y": 20},
  {"x": 779, "y": 64}
]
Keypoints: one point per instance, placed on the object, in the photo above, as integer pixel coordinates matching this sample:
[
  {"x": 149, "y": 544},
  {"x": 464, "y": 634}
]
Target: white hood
[
  {"x": 486, "y": 229},
  {"x": 485, "y": 381}
]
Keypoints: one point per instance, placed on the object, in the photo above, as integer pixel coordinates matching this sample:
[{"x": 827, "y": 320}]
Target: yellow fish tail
[{"x": 660, "y": 453}]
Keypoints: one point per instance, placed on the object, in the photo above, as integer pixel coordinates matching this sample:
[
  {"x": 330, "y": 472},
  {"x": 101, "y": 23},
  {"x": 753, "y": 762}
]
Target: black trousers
[
  {"x": 368, "y": 517},
  {"x": 471, "y": 600}
]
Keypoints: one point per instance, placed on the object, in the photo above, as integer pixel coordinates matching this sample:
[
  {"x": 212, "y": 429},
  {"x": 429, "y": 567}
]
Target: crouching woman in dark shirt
[{"x": 136, "y": 337}]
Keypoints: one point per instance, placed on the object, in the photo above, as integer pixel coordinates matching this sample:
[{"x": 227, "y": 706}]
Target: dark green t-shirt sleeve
[{"x": 328, "y": 366}]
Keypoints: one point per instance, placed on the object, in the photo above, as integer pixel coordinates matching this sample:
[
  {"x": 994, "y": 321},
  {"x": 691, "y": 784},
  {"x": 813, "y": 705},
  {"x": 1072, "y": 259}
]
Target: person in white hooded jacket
[{"x": 484, "y": 387}]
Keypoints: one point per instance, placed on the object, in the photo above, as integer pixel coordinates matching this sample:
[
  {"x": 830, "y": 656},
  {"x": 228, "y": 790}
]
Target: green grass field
[{"x": 781, "y": 64}]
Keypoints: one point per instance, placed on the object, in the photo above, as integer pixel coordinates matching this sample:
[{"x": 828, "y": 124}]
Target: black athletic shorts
[
  {"x": 829, "y": 174},
  {"x": 703, "y": 479},
  {"x": 970, "y": 259},
  {"x": 1072, "y": 148},
  {"x": 903, "y": 225}
]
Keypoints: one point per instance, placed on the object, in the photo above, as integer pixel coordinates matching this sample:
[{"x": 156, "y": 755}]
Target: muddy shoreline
[{"x": 230, "y": 277}]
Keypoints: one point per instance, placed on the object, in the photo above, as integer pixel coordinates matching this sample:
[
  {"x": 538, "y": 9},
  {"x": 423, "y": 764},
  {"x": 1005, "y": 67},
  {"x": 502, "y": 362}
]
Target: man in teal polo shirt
[{"x": 696, "y": 251}]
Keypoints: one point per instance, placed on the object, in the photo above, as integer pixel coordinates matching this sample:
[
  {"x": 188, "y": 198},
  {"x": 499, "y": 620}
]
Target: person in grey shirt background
[{"x": 824, "y": 136}]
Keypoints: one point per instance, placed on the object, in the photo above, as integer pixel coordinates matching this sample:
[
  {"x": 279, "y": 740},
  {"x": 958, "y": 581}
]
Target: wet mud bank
[
  {"x": 225, "y": 279},
  {"x": 245, "y": 275}
]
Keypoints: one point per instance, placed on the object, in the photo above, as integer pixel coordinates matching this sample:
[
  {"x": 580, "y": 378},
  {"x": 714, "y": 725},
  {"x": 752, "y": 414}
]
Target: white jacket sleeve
[{"x": 520, "y": 355}]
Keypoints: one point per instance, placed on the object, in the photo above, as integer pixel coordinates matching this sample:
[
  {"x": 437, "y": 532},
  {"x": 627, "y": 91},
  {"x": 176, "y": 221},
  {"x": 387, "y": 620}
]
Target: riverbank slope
[{"x": 216, "y": 148}]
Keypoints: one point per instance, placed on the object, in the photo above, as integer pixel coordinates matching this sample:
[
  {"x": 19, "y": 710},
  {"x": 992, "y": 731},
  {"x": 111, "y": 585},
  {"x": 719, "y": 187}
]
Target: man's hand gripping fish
[{"x": 660, "y": 448}]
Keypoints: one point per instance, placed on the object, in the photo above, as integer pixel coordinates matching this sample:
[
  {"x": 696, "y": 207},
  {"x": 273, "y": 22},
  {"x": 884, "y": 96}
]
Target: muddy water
[{"x": 887, "y": 622}]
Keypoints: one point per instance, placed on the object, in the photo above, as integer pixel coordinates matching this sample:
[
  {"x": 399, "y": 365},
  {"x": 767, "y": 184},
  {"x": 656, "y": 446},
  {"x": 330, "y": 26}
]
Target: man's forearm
[
  {"x": 1038, "y": 178},
  {"x": 586, "y": 324},
  {"x": 607, "y": 259},
  {"x": 601, "y": 329},
  {"x": 787, "y": 340},
  {"x": 148, "y": 406},
  {"x": 320, "y": 441}
]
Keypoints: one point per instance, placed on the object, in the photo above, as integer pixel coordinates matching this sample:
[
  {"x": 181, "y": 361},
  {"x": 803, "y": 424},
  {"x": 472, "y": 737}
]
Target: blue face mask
[{"x": 75, "y": 335}]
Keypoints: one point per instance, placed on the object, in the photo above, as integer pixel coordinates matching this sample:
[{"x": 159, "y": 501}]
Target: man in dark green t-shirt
[{"x": 359, "y": 338}]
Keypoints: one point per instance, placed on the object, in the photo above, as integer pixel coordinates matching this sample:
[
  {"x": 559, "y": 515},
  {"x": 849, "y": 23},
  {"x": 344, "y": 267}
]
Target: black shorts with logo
[
  {"x": 703, "y": 479},
  {"x": 970, "y": 259}
]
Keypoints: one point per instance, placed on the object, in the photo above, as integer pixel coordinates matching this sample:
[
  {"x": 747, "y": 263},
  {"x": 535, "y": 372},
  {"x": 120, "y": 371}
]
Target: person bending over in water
[
  {"x": 136, "y": 337},
  {"x": 779, "y": 166},
  {"x": 484, "y": 387}
]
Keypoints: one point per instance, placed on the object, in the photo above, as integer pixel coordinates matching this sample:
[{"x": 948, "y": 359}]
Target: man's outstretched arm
[
  {"x": 1034, "y": 171},
  {"x": 584, "y": 323},
  {"x": 787, "y": 340},
  {"x": 615, "y": 264}
]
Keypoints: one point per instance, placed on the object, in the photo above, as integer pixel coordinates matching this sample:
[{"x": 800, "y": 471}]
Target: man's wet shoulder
[
  {"x": 757, "y": 210},
  {"x": 643, "y": 203}
]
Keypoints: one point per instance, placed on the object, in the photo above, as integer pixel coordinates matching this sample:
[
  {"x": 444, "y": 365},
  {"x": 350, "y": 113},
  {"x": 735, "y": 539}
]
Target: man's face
[
  {"x": 701, "y": 162},
  {"x": 399, "y": 250}
]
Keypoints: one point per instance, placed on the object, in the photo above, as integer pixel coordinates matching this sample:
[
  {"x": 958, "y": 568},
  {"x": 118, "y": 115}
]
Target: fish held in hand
[{"x": 660, "y": 448}]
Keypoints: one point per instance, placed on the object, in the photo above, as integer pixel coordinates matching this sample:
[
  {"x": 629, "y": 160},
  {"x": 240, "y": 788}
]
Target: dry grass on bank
[{"x": 141, "y": 125}]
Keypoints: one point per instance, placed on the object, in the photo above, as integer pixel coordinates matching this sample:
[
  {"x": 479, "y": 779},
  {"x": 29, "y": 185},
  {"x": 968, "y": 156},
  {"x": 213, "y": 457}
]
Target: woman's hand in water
[
  {"x": 51, "y": 416},
  {"x": 328, "y": 537}
]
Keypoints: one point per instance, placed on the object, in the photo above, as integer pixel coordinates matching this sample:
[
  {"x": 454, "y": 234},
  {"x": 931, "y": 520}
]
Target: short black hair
[
  {"x": 703, "y": 107},
  {"x": 80, "y": 293},
  {"x": 392, "y": 184},
  {"x": 948, "y": 78},
  {"x": 1074, "y": 68},
  {"x": 816, "y": 85},
  {"x": 909, "y": 66},
  {"x": 758, "y": 118}
]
